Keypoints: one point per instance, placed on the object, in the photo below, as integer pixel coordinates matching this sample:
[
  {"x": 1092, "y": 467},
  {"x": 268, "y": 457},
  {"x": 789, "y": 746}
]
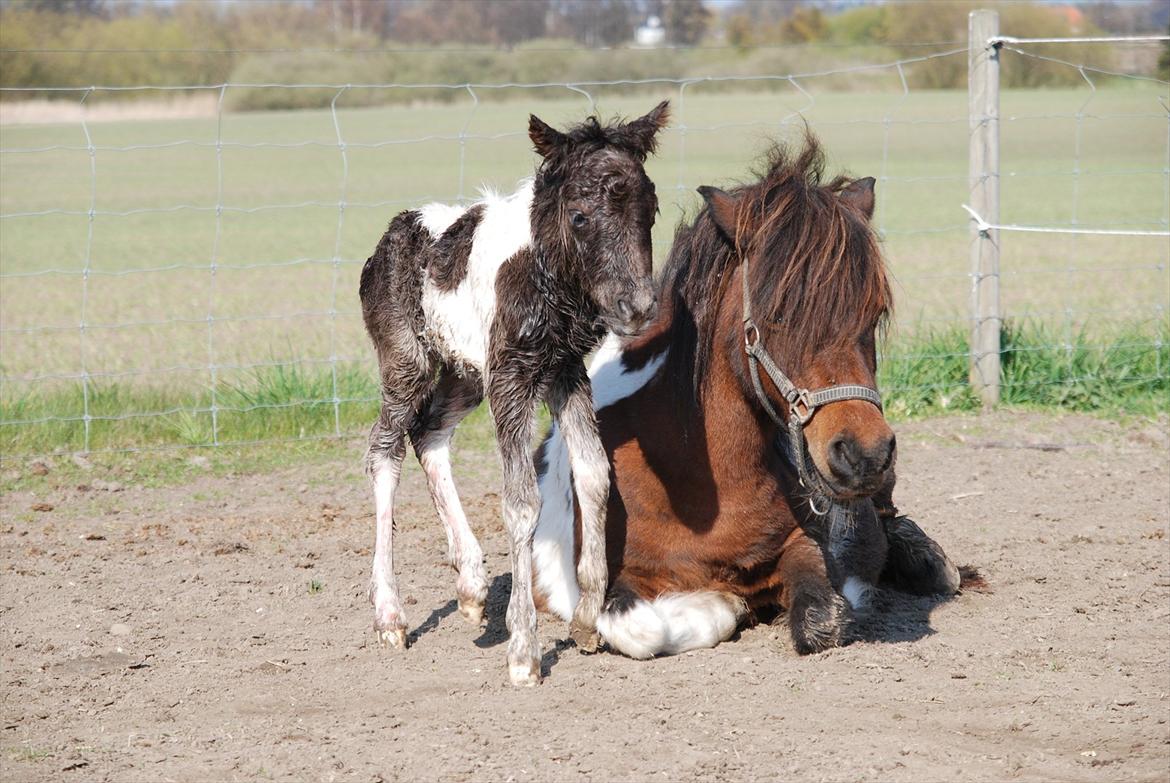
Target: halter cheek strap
[{"x": 802, "y": 403}]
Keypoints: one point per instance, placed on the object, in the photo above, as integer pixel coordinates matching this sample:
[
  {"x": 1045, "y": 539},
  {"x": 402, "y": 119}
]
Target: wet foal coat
[{"x": 505, "y": 298}]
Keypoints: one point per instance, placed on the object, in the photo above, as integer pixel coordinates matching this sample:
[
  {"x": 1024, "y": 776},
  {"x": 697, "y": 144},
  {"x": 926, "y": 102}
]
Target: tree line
[{"x": 83, "y": 42}]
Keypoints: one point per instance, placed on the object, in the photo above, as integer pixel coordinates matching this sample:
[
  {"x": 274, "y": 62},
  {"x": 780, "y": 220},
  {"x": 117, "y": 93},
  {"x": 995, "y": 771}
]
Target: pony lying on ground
[
  {"x": 735, "y": 491},
  {"x": 505, "y": 298}
]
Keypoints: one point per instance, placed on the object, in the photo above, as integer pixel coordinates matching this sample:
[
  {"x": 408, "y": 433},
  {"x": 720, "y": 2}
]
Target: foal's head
[
  {"x": 593, "y": 208},
  {"x": 818, "y": 293}
]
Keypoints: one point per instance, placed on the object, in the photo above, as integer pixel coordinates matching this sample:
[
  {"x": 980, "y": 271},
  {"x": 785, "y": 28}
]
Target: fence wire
[{"x": 60, "y": 406}]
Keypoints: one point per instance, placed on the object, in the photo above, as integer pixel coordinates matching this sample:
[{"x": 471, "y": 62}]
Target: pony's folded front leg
[
  {"x": 817, "y": 615},
  {"x": 573, "y": 408},
  {"x": 513, "y": 411}
]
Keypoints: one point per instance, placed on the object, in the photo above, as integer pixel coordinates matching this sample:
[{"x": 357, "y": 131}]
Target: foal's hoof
[
  {"x": 471, "y": 610},
  {"x": 817, "y": 621},
  {"x": 524, "y": 674},
  {"x": 586, "y": 639},
  {"x": 393, "y": 638}
]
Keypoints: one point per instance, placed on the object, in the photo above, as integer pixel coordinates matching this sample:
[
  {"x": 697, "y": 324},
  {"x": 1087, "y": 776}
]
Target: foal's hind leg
[
  {"x": 817, "y": 615},
  {"x": 452, "y": 400},
  {"x": 403, "y": 386}
]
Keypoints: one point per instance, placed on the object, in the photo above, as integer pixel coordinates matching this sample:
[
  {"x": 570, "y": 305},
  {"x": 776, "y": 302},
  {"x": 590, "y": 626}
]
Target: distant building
[{"x": 650, "y": 33}]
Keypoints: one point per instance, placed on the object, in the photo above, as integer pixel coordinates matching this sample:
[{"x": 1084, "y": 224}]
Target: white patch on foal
[
  {"x": 459, "y": 322},
  {"x": 552, "y": 549},
  {"x": 673, "y": 623}
]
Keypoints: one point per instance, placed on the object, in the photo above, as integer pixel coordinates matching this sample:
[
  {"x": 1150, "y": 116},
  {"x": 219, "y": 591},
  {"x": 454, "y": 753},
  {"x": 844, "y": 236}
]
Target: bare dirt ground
[{"x": 220, "y": 631}]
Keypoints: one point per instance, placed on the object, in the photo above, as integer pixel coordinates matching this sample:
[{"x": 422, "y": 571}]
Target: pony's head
[
  {"x": 593, "y": 208},
  {"x": 818, "y": 293}
]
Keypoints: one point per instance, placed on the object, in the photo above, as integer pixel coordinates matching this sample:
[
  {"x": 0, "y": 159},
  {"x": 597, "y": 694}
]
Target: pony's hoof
[
  {"x": 392, "y": 638},
  {"x": 524, "y": 675},
  {"x": 586, "y": 639},
  {"x": 471, "y": 610},
  {"x": 817, "y": 621},
  {"x": 916, "y": 563}
]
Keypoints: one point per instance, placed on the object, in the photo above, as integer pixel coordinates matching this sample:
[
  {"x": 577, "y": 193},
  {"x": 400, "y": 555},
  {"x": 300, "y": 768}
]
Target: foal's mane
[{"x": 816, "y": 274}]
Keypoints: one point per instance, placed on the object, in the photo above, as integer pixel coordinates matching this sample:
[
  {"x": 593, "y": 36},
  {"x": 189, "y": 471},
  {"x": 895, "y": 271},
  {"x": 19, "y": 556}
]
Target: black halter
[{"x": 802, "y": 403}]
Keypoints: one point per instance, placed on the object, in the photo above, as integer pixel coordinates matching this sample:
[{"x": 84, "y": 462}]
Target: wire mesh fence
[{"x": 193, "y": 281}]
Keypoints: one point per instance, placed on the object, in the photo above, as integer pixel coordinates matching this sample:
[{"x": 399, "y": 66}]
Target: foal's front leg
[
  {"x": 513, "y": 405},
  {"x": 572, "y": 405}
]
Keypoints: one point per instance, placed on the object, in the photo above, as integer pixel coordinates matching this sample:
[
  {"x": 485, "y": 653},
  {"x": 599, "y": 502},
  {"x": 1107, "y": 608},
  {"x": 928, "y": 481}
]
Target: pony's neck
[{"x": 736, "y": 434}]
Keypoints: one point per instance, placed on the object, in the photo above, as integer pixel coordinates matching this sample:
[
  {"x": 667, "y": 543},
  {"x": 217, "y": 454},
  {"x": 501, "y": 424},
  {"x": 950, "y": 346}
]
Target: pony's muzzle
[
  {"x": 636, "y": 312},
  {"x": 861, "y": 467}
]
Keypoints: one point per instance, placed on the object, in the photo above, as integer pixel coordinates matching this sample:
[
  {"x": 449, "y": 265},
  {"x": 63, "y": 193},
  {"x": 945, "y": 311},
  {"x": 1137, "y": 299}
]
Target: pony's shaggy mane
[{"x": 817, "y": 275}]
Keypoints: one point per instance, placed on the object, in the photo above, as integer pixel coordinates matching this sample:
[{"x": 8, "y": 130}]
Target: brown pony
[{"x": 736, "y": 490}]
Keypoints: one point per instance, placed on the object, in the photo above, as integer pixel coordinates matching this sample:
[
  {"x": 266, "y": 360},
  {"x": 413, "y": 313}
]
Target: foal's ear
[
  {"x": 640, "y": 136},
  {"x": 859, "y": 193},
  {"x": 724, "y": 209},
  {"x": 546, "y": 138}
]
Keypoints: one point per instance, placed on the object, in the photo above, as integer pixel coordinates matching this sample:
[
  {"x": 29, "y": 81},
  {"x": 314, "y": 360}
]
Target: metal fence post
[{"x": 983, "y": 171}]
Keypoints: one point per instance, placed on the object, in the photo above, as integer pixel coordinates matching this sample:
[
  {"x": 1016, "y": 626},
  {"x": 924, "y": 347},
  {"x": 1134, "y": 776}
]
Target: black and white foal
[{"x": 505, "y": 298}]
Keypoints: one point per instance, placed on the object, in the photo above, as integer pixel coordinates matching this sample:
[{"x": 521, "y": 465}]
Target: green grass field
[{"x": 283, "y": 298}]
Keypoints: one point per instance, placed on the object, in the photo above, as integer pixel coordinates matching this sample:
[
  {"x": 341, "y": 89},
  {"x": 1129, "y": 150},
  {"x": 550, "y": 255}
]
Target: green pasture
[{"x": 266, "y": 288}]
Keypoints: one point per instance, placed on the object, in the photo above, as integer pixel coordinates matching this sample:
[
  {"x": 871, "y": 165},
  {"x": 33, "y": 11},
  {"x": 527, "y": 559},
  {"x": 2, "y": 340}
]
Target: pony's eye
[{"x": 579, "y": 219}]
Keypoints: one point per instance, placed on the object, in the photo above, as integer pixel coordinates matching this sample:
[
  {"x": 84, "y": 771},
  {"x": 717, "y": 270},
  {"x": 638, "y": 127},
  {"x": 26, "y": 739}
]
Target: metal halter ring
[{"x": 750, "y": 329}]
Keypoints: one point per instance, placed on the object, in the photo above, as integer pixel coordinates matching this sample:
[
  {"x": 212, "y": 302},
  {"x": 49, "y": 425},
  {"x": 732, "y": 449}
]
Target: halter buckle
[{"x": 801, "y": 406}]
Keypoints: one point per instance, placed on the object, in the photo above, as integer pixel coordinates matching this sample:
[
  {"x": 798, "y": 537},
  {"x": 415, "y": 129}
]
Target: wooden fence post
[{"x": 983, "y": 172}]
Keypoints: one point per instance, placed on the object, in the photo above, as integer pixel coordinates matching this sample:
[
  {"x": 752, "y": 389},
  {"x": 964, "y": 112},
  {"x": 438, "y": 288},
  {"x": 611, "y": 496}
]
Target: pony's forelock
[{"x": 816, "y": 269}]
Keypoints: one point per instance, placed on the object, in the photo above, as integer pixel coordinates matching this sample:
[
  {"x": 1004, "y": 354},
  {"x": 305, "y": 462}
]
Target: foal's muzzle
[{"x": 634, "y": 313}]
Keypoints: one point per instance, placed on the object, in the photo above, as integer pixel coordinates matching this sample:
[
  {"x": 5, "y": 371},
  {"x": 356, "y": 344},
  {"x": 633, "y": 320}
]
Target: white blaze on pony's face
[
  {"x": 819, "y": 293},
  {"x": 602, "y": 212}
]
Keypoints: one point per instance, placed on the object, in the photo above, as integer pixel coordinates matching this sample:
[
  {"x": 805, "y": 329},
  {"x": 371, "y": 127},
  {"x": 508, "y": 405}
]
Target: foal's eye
[{"x": 579, "y": 219}]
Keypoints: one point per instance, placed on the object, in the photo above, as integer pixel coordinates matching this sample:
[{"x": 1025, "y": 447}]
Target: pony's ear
[
  {"x": 859, "y": 193},
  {"x": 546, "y": 138},
  {"x": 724, "y": 209},
  {"x": 640, "y": 136}
]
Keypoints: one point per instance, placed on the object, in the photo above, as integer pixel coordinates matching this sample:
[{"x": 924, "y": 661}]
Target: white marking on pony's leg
[
  {"x": 463, "y": 550},
  {"x": 857, "y": 592},
  {"x": 389, "y": 617},
  {"x": 673, "y": 623},
  {"x": 552, "y": 548},
  {"x": 639, "y": 632}
]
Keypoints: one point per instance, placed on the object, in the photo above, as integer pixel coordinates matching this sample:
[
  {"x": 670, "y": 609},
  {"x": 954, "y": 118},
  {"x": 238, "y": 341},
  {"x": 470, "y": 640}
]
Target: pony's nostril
[
  {"x": 891, "y": 450},
  {"x": 843, "y": 457}
]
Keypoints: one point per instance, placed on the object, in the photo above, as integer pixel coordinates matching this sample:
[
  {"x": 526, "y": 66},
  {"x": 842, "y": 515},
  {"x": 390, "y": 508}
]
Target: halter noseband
[{"x": 802, "y": 403}]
